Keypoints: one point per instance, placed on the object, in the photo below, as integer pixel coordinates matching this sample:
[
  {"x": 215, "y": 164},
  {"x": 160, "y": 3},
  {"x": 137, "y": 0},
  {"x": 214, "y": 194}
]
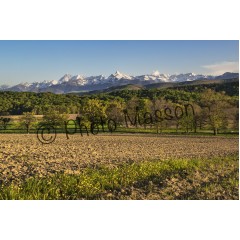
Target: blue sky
[{"x": 30, "y": 61}]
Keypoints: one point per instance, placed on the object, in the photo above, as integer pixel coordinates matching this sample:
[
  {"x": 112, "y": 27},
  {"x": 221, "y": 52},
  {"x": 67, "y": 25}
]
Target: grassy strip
[{"x": 170, "y": 179}]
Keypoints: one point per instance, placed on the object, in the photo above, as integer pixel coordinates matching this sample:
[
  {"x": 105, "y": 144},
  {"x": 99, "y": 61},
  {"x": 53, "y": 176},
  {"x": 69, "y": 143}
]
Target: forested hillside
[
  {"x": 16, "y": 103},
  {"x": 216, "y": 106}
]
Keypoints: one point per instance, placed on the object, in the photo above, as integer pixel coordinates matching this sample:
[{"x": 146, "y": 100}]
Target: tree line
[{"x": 159, "y": 110}]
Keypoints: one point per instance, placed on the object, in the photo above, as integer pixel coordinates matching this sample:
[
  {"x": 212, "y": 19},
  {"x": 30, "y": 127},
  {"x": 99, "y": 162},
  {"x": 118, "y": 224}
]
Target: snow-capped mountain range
[{"x": 69, "y": 83}]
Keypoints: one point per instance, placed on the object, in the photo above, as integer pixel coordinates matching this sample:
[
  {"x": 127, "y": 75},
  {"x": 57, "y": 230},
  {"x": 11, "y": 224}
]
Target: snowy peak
[
  {"x": 77, "y": 77},
  {"x": 118, "y": 75},
  {"x": 156, "y": 73},
  {"x": 188, "y": 77},
  {"x": 69, "y": 83},
  {"x": 53, "y": 82},
  {"x": 156, "y": 76},
  {"x": 65, "y": 78},
  {"x": 96, "y": 79}
]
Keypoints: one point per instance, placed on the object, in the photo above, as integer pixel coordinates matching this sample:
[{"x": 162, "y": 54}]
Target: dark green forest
[
  {"x": 215, "y": 106},
  {"x": 16, "y": 103}
]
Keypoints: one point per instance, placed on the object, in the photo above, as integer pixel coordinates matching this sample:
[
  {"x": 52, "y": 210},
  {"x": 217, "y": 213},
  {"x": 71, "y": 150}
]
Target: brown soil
[{"x": 22, "y": 156}]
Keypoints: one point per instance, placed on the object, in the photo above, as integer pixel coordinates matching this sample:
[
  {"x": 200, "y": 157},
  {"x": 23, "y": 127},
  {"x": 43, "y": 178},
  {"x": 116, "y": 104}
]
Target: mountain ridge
[{"x": 69, "y": 83}]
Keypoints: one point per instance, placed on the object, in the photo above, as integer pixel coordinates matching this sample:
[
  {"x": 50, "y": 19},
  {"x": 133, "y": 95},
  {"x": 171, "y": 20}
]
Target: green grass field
[
  {"x": 14, "y": 129},
  {"x": 214, "y": 178}
]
